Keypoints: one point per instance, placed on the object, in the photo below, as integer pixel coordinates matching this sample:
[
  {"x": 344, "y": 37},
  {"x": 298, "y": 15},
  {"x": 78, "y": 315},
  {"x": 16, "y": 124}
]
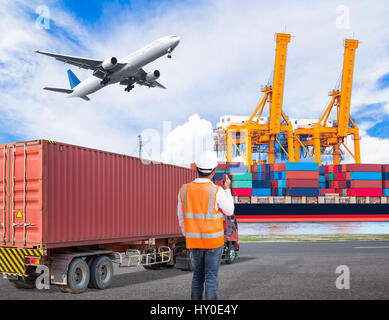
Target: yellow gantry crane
[
  {"x": 255, "y": 134},
  {"x": 322, "y": 136}
]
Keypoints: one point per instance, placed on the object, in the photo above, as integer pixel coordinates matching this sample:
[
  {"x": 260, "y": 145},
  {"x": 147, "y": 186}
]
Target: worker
[{"x": 201, "y": 205}]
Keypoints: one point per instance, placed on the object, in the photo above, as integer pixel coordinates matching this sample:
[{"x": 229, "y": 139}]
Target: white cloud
[
  {"x": 185, "y": 142},
  {"x": 226, "y": 53},
  {"x": 374, "y": 150}
]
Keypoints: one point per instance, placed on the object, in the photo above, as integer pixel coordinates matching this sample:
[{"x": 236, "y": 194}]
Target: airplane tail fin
[{"x": 73, "y": 80}]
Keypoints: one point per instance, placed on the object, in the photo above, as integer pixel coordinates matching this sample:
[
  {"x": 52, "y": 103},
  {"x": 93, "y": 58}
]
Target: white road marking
[{"x": 371, "y": 247}]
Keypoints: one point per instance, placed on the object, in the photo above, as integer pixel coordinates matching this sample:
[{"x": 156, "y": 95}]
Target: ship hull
[{"x": 311, "y": 212}]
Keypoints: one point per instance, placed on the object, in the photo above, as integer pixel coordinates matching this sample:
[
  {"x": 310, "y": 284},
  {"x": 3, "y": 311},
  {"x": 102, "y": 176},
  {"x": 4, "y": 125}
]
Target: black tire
[
  {"x": 78, "y": 276},
  {"x": 24, "y": 283},
  {"x": 231, "y": 253},
  {"x": 101, "y": 272}
]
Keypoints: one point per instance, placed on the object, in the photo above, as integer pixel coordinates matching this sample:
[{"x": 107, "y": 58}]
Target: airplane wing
[
  {"x": 140, "y": 78},
  {"x": 80, "y": 62}
]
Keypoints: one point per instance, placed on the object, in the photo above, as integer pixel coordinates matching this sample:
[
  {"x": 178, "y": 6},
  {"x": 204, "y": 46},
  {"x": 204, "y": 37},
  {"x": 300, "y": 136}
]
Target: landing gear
[
  {"x": 169, "y": 51},
  {"x": 129, "y": 88},
  {"x": 105, "y": 81}
]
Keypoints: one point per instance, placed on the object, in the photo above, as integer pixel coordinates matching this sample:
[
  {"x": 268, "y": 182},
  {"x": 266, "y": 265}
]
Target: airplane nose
[{"x": 176, "y": 41}]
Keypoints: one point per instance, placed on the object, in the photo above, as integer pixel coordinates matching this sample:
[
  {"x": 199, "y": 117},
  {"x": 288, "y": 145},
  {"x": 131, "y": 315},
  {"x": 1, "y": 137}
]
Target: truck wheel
[
  {"x": 24, "y": 283},
  {"x": 78, "y": 276},
  {"x": 231, "y": 253},
  {"x": 101, "y": 272}
]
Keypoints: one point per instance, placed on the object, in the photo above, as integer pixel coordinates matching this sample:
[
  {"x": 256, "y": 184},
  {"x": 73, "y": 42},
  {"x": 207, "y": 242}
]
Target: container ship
[
  {"x": 274, "y": 182},
  {"x": 307, "y": 192}
]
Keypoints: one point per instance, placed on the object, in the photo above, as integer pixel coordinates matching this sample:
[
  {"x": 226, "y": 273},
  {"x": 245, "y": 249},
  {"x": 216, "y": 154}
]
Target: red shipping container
[
  {"x": 235, "y": 164},
  {"x": 370, "y": 184},
  {"x": 302, "y": 183},
  {"x": 254, "y": 168},
  {"x": 278, "y": 167},
  {"x": 363, "y": 167},
  {"x": 348, "y": 176},
  {"x": 274, "y": 183},
  {"x": 222, "y": 166},
  {"x": 339, "y": 176},
  {"x": 75, "y": 196},
  {"x": 327, "y": 191},
  {"x": 255, "y": 176},
  {"x": 326, "y": 169},
  {"x": 385, "y": 167},
  {"x": 242, "y": 192},
  {"x": 364, "y": 192},
  {"x": 385, "y": 184},
  {"x": 340, "y": 184},
  {"x": 310, "y": 175},
  {"x": 335, "y": 170}
]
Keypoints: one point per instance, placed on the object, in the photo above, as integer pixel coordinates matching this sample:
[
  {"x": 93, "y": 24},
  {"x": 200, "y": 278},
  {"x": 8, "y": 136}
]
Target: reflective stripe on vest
[
  {"x": 184, "y": 196},
  {"x": 203, "y": 238},
  {"x": 205, "y": 235}
]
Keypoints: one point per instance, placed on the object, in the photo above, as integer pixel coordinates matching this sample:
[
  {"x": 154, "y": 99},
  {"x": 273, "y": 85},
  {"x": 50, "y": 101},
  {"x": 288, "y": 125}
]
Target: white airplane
[{"x": 127, "y": 71}]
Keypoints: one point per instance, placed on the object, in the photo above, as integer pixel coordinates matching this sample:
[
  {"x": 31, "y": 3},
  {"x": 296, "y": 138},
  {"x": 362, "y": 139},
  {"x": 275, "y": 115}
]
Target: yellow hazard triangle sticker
[{"x": 19, "y": 215}]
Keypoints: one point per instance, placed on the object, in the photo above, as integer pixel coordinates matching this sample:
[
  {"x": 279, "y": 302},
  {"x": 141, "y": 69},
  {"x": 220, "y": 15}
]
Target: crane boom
[
  {"x": 282, "y": 41},
  {"x": 347, "y": 83}
]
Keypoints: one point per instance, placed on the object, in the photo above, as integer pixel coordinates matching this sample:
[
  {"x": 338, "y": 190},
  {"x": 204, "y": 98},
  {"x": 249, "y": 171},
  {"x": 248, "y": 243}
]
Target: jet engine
[
  {"x": 152, "y": 76},
  {"x": 109, "y": 63}
]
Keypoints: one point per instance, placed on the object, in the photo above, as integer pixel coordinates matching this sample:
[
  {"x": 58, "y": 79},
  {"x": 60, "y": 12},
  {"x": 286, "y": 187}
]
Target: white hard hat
[{"x": 207, "y": 161}]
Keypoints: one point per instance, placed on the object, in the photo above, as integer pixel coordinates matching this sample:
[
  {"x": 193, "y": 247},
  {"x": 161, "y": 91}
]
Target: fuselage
[{"x": 132, "y": 62}]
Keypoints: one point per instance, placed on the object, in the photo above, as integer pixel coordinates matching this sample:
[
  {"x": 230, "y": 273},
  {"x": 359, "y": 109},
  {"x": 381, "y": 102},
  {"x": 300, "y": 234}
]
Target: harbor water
[{"x": 295, "y": 228}]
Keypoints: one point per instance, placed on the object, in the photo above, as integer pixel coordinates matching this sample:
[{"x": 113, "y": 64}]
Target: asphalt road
[{"x": 293, "y": 270}]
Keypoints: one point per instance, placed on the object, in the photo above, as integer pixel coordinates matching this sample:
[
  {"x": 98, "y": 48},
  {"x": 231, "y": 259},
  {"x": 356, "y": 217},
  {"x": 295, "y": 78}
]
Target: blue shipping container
[
  {"x": 263, "y": 192},
  {"x": 365, "y": 175},
  {"x": 258, "y": 184},
  {"x": 298, "y": 192},
  {"x": 302, "y": 166}
]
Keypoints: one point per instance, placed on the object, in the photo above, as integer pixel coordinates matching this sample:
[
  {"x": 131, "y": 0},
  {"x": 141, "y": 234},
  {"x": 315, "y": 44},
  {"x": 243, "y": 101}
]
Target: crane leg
[
  {"x": 357, "y": 149},
  {"x": 336, "y": 154},
  {"x": 316, "y": 140},
  {"x": 249, "y": 156},
  {"x": 291, "y": 152},
  {"x": 271, "y": 149},
  {"x": 229, "y": 146},
  {"x": 297, "y": 150}
]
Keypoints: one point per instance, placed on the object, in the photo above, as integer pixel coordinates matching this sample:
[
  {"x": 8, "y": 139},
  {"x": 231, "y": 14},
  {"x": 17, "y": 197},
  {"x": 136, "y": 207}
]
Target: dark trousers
[{"x": 206, "y": 263}]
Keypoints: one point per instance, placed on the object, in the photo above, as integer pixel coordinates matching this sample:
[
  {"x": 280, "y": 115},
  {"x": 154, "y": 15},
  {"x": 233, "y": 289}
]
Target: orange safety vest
[{"x": 203, "y": 223}]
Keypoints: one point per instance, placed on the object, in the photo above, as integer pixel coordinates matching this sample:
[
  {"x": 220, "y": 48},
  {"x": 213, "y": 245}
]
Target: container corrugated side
[{"x": 81, "y": 196}]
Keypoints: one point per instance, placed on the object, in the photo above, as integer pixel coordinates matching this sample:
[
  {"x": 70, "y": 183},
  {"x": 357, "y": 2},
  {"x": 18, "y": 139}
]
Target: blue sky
[{"x": 226, "y": 53}]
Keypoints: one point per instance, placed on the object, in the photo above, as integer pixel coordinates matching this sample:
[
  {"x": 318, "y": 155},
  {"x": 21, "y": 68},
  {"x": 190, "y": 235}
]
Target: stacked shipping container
[
  {"x": 297, "y": 179},
  {"x": 262, "y": 186},
  {"x": 385, "y": 180},
  {"x": 358, "y": 180}
]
